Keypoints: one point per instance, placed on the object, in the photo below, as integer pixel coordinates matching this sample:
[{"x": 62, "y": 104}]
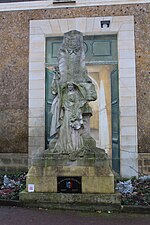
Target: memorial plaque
[{"x": 69, "y": 185}]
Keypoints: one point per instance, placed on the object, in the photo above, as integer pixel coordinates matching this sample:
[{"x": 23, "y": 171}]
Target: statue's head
[
  {"x": 70, "y": 86},
  {"x": 73, "y": 40},
  {"x": 73, "y": 34}
]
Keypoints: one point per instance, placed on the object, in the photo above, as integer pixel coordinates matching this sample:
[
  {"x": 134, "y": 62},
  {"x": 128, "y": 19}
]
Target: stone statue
[
  {"x": 73, "y": 89},
  {"x": 72, "y": 152}
]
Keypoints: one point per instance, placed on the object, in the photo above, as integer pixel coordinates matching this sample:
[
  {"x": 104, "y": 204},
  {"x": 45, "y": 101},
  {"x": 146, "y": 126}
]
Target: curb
[
  {"x": 10, "y": 203},
  {"x": 135, "y": 209},
  {"x": 123, "y": 209}
]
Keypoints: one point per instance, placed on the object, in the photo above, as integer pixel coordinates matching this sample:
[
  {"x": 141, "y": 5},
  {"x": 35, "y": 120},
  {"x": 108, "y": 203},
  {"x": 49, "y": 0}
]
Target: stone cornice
[{"x": 49, "y": 4}]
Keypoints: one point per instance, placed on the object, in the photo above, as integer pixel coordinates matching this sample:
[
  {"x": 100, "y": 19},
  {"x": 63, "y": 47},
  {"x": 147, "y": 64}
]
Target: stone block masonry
[
  {"x": 12, "y": 162},
  {"x": 144, "y": 163}
]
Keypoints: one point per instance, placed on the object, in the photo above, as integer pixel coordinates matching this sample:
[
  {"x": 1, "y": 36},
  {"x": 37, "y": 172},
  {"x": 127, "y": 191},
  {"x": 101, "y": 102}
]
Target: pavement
[{"x": 12, "y": 215}]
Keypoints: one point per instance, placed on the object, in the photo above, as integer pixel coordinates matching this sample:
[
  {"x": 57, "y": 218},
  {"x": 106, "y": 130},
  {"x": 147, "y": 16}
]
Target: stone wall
[
  {"x": 13, "y": 162},
  {"x": 14, "y": 45},
  {"x": 144, "y": 163}
]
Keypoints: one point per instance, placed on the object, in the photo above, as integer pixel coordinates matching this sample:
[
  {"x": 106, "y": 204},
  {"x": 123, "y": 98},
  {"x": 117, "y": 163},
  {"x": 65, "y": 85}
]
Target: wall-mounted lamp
[{"x": 105, "y": 23}]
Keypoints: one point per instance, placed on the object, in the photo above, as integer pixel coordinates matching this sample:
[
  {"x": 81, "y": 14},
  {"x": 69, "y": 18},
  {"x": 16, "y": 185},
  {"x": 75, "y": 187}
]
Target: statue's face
[
  {"x": 72, "y": 44},
  {"x": 70, "y": 87}
]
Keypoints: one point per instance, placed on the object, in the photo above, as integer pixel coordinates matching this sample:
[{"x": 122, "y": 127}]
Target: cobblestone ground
[{"x": 25, "y": 216}]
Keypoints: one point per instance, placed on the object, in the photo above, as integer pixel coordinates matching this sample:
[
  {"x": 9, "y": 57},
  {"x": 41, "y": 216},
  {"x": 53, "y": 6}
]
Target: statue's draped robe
[{"x": 71, "y": 104}]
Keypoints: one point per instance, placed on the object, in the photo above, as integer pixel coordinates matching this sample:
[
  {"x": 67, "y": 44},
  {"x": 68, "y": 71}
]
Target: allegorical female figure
[{"x": 73, "y": 89}]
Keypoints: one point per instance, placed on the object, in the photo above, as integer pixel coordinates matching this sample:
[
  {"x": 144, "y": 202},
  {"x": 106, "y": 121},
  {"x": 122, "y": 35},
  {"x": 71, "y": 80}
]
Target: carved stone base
[
  {"x": 45, "y": 179},
  {"x": 93, "y": 169}
]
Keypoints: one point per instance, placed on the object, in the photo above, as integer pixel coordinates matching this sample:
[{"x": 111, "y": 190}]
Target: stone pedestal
[
  {"x": 97, "y": 183},
  {"x": 94, "y": 171},
  {"x": 45, "y": 179}
]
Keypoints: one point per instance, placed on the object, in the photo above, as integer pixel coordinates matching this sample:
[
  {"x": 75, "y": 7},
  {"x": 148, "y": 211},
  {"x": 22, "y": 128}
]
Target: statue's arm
[{"x": 54, "y": 86}]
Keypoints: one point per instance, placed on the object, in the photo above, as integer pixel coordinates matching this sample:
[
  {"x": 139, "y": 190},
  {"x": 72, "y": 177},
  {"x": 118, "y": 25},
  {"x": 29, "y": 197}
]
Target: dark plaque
[{"x": 69, "y": 184}]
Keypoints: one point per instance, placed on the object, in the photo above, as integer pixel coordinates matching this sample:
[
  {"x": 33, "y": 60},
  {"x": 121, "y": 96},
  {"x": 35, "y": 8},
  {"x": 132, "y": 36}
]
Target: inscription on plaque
[{"x": 69, "y": 185}]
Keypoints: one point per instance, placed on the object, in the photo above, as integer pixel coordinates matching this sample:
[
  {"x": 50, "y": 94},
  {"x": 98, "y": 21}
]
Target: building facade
[{"x": 116, "y": 36}]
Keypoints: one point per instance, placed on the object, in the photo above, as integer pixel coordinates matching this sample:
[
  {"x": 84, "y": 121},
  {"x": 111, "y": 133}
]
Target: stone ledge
[
  {"x": 13, "y": 6},
  {"x": 81, "y": 202}
]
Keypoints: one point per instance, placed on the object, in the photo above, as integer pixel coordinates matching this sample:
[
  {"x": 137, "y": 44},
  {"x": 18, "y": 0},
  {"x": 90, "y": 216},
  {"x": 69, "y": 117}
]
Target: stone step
[{"x": 81, "y": 202}]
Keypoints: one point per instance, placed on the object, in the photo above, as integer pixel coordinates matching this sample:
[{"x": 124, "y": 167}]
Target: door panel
[
  {"x": 115, "y": 121},
  {"x": 48, "y": 103},
  {"x": 98, "y": 49}
]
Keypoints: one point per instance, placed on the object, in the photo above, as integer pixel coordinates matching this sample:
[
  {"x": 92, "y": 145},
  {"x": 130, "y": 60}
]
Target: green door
[
  {"x": 115, "y": 121},
  {"x": 98, "y": 50},
  {"x": 48, "y": 103}
]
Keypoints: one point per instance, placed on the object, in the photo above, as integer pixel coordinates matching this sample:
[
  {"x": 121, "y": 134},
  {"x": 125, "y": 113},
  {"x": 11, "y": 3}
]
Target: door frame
[{"x": 123, "y": 26}]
